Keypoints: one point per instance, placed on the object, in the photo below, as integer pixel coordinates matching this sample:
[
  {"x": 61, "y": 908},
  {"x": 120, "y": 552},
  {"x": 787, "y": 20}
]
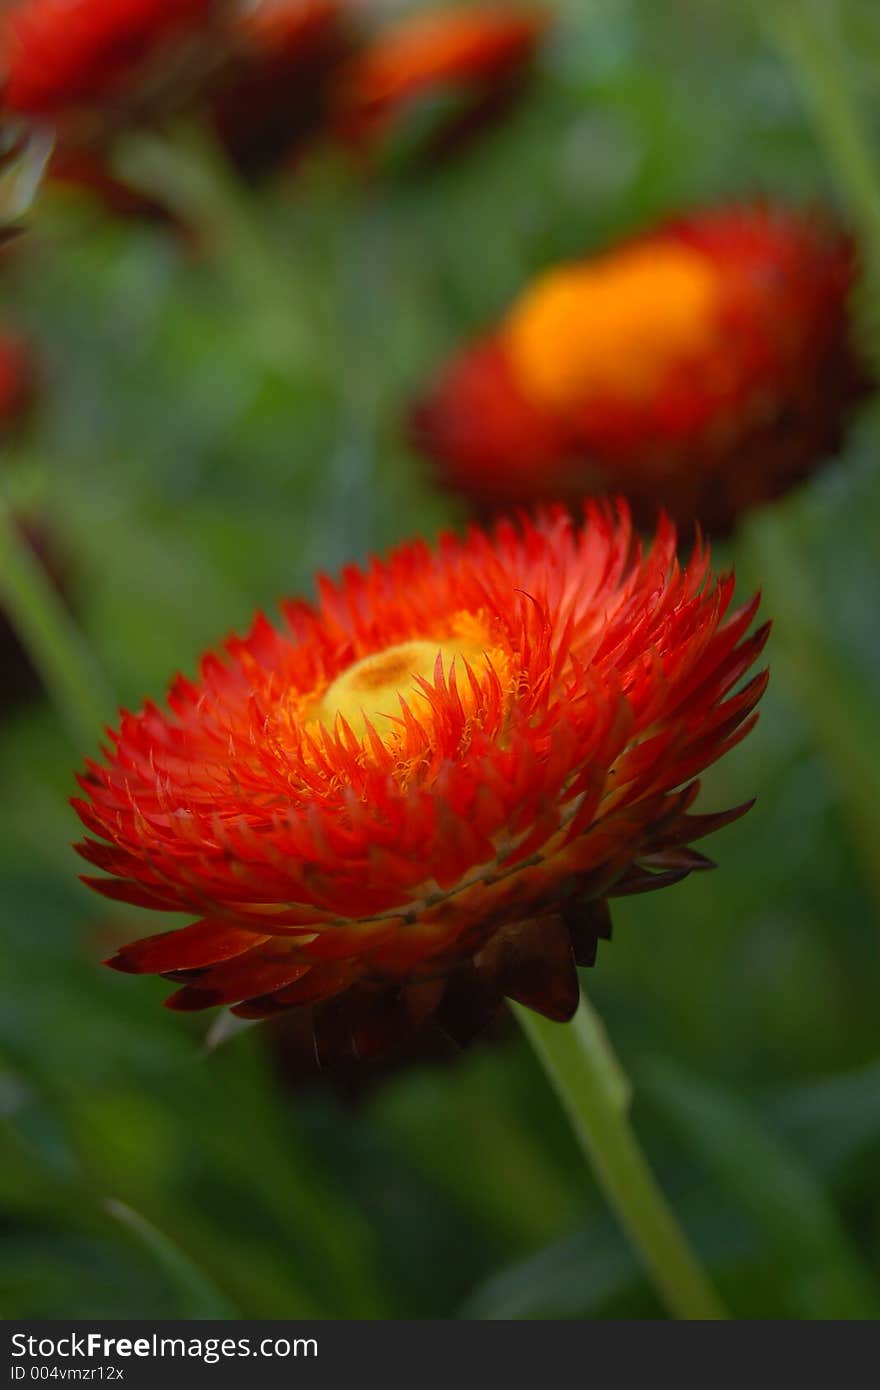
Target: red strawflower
[
  {"x": 276, "y": 92},
  {"x": 478, "y": 55},
  {"x": 703, "y": 368},
  {"x": 67, "y": 59},
  {"x": 417, "y": 795}
]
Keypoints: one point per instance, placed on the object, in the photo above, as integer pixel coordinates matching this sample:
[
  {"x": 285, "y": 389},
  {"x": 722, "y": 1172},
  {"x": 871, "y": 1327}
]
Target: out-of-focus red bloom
[
  {"x": 417, "y": 795},
  {"x": 276, "y": 92},
  {"x": 63, "y": 58},
  {"x": 477, "y": 55},
  {"x": 704, "y": 368},
  {"x": 90, "y": 67}
]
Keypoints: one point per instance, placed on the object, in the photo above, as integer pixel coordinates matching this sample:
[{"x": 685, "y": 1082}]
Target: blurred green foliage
[{"x": 190, "y": 476}]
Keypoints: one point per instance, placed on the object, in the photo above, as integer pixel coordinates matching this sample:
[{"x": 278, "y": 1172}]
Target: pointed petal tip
[
  {"x": 121, "y": 962},
  {"x": 190, "y": 1000}
]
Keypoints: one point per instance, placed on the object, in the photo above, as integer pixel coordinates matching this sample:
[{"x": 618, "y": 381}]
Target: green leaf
[
  {"x": 567, "y": 1279},
  {"x": 832, "y": 1122},
  {"x": 197, "y": 1296},
  {"x": 592, "y": 1272},
  {"x": 22, "y": 167},
  {"x": 825, "y": 1275}
]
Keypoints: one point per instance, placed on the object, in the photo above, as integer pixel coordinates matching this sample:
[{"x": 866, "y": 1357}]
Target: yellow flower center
[
  {"x": 613, "y": 326},
  {"x": 371, "y": 687}
]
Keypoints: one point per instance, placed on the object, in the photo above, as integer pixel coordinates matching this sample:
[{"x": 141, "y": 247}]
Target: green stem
[
  {"x": 190, "y": 176},
  {"x": 51, "y": 639},
  {"x": 832, "y": 695},
  {"x": 811, "y": 44},
  {"x": 595, "y": 1094},
  {"x": 812, "y": 47}
]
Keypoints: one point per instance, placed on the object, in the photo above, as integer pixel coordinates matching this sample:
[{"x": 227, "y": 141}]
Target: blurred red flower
[
  {"x": 276, "y": 91},
  {"x": 478, "y": 56},
  {"x": 417, "y": 795},
  {"x": 703, "y": 368},
  {"x": 63, "y": 58},
  {"x": 261, "y": 71}
]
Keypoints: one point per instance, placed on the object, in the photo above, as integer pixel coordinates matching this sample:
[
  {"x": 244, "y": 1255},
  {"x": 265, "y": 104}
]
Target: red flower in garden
[
  {"x": 477, "y": 55},
  {"x": 704, "y": 368},
  {"x": 276, "y": 93},
  {"x": 63, "y": 58},
  {"x": 262, "y": 71},
  {"x": 416, "y": 795}
]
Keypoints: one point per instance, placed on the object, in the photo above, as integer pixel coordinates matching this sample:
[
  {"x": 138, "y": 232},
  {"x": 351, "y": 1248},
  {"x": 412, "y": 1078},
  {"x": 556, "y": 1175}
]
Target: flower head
[
  {"x": 417, "y": 794},
  {"x": 75, "y": 59},
  {"x": 60, "y": 54},
  {"x": 477, "y": 56},
  {"x": 283, "y": 54},
  {"x": 702, "y": 368}
]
